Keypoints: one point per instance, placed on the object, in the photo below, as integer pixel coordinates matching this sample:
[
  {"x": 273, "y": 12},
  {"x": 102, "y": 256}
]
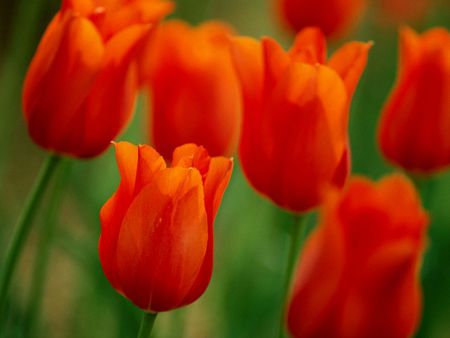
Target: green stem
[
  {"x": 296, "y": 235},
  {"x": 147, "y": 322},
  {"x": 46, "y": 235},
  {"x": 23, "y": 227}
]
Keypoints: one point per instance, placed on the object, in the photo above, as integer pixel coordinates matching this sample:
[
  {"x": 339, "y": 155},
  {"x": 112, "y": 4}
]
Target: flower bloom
[
  {"x": 358, "y": 275},
  {"x": 195, "y": 94},
  {"x": 82, "y": 82},
  {"x": 156, "y": 244},
  {"x": 333, "y": 17},
  {"x": 414, "y": 130},
  {"x": 294, "y": 136}
]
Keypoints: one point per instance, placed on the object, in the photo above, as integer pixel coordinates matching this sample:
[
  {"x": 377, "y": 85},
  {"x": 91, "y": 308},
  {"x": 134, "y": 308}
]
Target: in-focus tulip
[
  {"x": 294, "y": 137},
  {"x": 195, "y": 95},
  {"x": 358, "y": 275},
  {"x": 333, "y": 17},
  {"x": 414, "y": 130},
  {"x": 156, "y": 244},
  {"x": 82, "y": 82}
]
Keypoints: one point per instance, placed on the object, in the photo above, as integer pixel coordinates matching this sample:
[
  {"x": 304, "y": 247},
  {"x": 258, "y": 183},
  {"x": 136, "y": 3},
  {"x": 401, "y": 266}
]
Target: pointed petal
[
  {"x": 310, "y": 46},
  {"x": 349, "y": 62}
]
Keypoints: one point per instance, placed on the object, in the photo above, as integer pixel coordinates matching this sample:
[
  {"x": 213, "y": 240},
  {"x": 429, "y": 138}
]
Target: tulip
[
  {"x": 333, "y": 17},
  {"x": 81, "y": 86},
  {"x": 294, "y": 138},
  {"x": 195, "y": 94},
  {"x": 414, "y": 130},
  {"x": 358, "y": 275},
  {"x": 156, "y": 244}
]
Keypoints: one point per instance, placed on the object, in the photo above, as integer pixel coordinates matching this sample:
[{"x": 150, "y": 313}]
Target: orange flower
[
  {"x": 195, "y": 95},
  {"x": 414, "y": 130},
  {"x": 358, "y": 273},
  {"x": 81, "y": 85},
  {"x": 333, "y": 17},
  {"x": 294, "y": 137},
  {"x": 156, "y": 245}
]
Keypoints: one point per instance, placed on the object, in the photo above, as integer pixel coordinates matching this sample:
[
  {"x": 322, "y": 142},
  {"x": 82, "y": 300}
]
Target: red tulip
[
  {"x": 81, "y": 85},
  {"x": 358, "y": 275},
  {"x": 294, "y": 138},
  {"x": 195, "y": 94},
  {"x": 156, "y": 245},
  {"x": 414, "y": 130},
  {"x": 333, "y": 17}
]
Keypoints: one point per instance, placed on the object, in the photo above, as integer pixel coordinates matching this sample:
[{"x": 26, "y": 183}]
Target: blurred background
[{"x": 244, "y": 297}]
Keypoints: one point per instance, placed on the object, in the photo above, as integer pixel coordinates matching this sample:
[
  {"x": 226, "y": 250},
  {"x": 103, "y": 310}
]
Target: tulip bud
[
  {"x": 358, "y": 274},
  {"x": 156, "y": 244},
  {"x": 80, "y": 89},
  {"x": 294, "y": 138},
  {"x": 414, "y": 130}
]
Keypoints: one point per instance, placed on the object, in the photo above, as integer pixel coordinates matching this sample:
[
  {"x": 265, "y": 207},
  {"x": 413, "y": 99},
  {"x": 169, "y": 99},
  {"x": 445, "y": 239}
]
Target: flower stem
[
  {"x": 147, "y": 322},
  {"x": 46, "y": 235},
  {"x": 296, "y": 235},
  {"x": 23, "y": 226}
]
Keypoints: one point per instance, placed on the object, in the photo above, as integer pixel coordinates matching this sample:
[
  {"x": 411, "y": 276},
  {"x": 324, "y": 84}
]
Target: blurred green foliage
[{"x": 244, "y": 297}]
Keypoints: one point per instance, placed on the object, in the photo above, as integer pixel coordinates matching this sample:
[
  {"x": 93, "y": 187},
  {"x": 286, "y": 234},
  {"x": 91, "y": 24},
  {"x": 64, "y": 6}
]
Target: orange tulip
[
  {"x": 81, "y": 85},
  {"x": 156, "y": 245},
  {"x": 358, "y": 275},
  {"x": 294, "y": 137},
  {"x": 195, "y": 95},
  {"x": 414, "y": 130},
  {"x": 333, "y": 17}
]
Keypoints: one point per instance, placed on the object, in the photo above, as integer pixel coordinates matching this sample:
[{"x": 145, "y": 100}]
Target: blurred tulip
[
  {"x": 156, "y": 245},
  {"x": 403, "y": 10},
  {"x": 358, "y": 275},
  {"x": 195, "y": 95},
  {"x": 414, "y": 130},
  {"x": 81, "y": 85},
  {"x": 333, "y": 17},
  {"x": 294, "y": 138}
]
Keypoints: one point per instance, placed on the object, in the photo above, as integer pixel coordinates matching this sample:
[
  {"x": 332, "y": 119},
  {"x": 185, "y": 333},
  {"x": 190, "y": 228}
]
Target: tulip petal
[
  {"x": 276, "y": 61},
  {"x": 149, "y": 163},
  {"x": 163, "y": 240},
  {"x": 60, "y": 77},
  {"x": 112, "y": 96},
  {"x": 135, "y": 12},
  {"x": 349, "y": 62},
  {"x": 114, "y": 209},
  {"x": 311, "y": 125},
  {"x": 249, "y": 64},
  {"x": 317, "y": 279},
  {"x": 310, "y": 46},
  {"x": 217, "y": 179}
]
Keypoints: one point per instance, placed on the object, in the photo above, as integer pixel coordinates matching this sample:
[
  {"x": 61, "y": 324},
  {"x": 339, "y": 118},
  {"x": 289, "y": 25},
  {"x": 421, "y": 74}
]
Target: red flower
[
  {"x": 294, "y": 138},
  {"x": 81, "y": 85},
  {"x": 195, "y": 94},
  {"x": 358, "y": 275},
  {"x": 333, "y": 17},
  {"x": 414, "y": 130},
  {"x": 156, "y": 245}
]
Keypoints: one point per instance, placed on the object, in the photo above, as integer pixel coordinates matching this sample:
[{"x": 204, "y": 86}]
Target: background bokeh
[{"x": 244, "y": 297}]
